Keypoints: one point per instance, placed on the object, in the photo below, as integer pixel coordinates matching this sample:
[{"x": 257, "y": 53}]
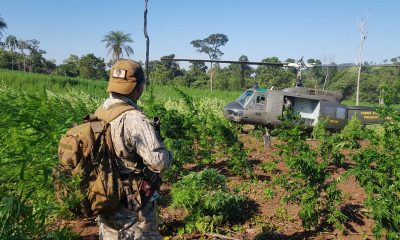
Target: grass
[
  {"x": 33, "y": 83},
  {"x": 37, "y": 109}
]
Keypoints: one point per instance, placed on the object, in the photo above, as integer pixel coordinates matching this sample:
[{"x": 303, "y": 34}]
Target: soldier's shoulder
[{"x": 136, "y": 115}]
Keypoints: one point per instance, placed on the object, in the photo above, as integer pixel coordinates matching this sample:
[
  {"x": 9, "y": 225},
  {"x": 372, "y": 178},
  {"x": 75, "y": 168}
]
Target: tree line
[
  {"x": 375, "y": 79},
  {"x": 26, "y": 55}
]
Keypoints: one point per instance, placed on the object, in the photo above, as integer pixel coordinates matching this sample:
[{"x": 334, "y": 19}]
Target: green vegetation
[
  {"x": 38, "y": 108},
  {"x": 377, "y": 170},
  {"x": 116, "y": 42},
  {"x": 31, "y": 125},
  {"x": 40, "y": 100},
  {"x": 205, "y": 196},
  {"x": 198, "y": 133},
  {"x": 210, "y": 46},
  {"x": 3, "y": 25},
  {"x": 309, "y": 181},
  {"x": 232, "y": 77}
]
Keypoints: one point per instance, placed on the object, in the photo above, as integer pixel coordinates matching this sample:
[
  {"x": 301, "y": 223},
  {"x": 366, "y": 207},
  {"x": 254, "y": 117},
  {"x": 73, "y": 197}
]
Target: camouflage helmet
[{"x": 125, "y": 74}]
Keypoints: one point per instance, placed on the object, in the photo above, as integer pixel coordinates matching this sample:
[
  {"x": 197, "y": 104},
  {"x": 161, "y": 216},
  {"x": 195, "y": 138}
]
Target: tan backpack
[{"x": 86, "y": 179}]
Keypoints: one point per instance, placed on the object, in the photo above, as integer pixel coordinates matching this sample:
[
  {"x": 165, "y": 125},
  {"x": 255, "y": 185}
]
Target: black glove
[
  {"x": 131, "y": 202},
  {"x": 156, "y": 121},
  {"x": 157, "y": 125},
  {"x": 151, "y": 182}
]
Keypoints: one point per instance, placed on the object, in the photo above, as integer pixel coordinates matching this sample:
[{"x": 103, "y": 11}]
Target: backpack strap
[
  {"x": 94, "y": 123},
  {"x": 107, "y": 115}
]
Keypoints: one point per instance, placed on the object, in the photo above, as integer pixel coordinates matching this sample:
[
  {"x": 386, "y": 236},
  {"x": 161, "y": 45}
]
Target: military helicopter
[{"x": 265, "y": 106}]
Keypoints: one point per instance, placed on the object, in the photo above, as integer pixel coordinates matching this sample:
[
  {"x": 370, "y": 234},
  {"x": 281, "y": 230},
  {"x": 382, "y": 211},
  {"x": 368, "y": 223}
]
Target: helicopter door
[
  {"x": 255, "y": 110},
  {"x": 308, "y": 109},
  {"x": 336, "y": 114}
]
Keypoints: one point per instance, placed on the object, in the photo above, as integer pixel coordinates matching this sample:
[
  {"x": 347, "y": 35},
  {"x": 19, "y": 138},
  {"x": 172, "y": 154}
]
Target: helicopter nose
[{"x": 233, "y": 111}]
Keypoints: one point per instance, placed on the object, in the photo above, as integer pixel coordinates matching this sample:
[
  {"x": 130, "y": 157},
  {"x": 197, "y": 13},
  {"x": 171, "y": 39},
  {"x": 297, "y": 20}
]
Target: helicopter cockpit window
[{"x": 245, "y": 97}]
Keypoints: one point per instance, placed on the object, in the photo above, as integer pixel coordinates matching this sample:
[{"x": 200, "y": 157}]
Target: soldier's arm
[{"x": 147, "y": 142}]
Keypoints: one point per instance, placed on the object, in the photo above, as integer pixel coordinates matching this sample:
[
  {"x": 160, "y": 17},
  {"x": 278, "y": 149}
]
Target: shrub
[
  {"x": 377, "y": 169},
  {"x": 309, "y": 181},
  {"x": 205, "y": 196}
]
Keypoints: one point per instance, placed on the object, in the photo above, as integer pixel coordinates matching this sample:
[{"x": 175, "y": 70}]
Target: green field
[{"x": 37, "y": 109}]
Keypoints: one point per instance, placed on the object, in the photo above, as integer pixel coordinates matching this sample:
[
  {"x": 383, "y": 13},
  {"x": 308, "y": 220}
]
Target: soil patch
[{"x": 273, "y": 219}]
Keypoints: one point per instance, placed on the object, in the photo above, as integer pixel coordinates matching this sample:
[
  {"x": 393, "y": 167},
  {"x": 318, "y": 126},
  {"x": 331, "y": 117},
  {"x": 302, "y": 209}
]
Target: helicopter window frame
[
  {"x": 260, "y": 99},
  {"x": 251, "y": 103},
  {"x": 260, "y": 102},
  {"x": 245, "y": 98}
]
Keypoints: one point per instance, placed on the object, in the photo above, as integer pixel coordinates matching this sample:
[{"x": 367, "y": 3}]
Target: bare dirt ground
[{"x": 271, "y": 219}]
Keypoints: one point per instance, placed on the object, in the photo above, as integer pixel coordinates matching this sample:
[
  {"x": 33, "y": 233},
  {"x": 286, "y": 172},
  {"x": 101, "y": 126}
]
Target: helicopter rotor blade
[
  {"x": 354, "y": 65},
  {"x": 223, "y": 61},
  {"x": 298, "y": 64}
]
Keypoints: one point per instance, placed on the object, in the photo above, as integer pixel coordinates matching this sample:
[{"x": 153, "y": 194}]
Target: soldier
[
  {"x": 141, "y": 155},
  {"x": 287, "y": 104}
]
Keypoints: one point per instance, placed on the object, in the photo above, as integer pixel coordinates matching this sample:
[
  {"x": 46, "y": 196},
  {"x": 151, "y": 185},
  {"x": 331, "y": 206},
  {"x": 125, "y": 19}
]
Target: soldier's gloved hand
[
  {"x": 157, "y": 125},
  {"x": 146, "y": 189},
  {"x": 131, "y": 202}
]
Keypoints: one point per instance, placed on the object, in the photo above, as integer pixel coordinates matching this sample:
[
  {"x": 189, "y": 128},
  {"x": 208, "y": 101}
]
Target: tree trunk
[
  {"x": 30, "y": 59},
  {"x": 212, "y": 76},
  {"x": 358, "y": 85},
  {"x": 363, "y": 37},
  {"x": 146, "y": 35},
  {"x": 24, "y": 63},
  {"x": 381, "y": 101},
  {"x": 326, "y": 79}
]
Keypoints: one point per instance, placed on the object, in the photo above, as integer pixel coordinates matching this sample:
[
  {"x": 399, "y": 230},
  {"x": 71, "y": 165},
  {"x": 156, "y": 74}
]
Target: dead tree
[
  {"x": 327, "y": 60},
  {"x": 362, "y": 25},
  {"x": 147, "y": 42}
]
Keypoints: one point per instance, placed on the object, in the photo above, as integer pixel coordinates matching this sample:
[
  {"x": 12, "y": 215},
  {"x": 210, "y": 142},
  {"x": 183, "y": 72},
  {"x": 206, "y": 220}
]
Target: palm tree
[
  {"x": 3, "y": 25},
  {"x": 11, "y": 43},
  {"x": 22, "y": 45},
  {"x": 116, "y": 42}
]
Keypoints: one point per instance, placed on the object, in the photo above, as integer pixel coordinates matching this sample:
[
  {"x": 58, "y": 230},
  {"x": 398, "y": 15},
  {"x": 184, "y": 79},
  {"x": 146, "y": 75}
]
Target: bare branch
[
  {"x": 362, "y": 25},
  {"x": 147, "y": 42},
  {"x": 327, "y": 60}
]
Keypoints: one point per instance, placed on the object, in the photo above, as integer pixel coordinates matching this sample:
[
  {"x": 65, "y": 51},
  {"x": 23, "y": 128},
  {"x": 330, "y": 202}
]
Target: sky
[{"x": 256, "y": 28}]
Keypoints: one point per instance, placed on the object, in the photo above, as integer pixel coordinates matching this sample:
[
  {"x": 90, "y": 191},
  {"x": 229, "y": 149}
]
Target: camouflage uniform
[{"x": 134, "y": 135}]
